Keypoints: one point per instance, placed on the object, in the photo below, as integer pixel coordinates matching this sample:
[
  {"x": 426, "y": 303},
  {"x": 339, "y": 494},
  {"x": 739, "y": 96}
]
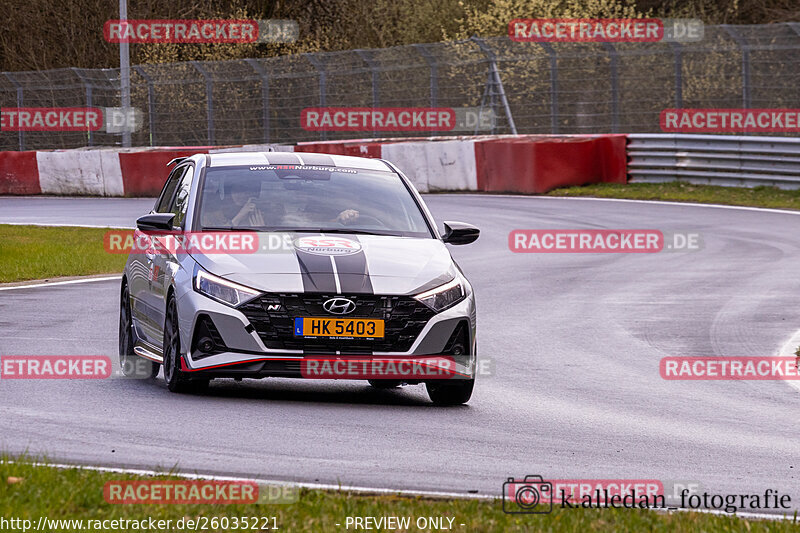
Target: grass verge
[
  {"x": 30, "y": 492},
  {"x": 686, "y": 192},
  {"x": 41, "y": 252}
]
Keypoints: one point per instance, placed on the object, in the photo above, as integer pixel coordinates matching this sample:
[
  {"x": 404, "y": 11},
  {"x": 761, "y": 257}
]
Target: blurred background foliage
[{"x": 42, "y": 34}]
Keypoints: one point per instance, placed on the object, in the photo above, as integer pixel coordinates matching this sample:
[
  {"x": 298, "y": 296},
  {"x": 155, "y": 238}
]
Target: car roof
[{"x": 295, "y": 158}]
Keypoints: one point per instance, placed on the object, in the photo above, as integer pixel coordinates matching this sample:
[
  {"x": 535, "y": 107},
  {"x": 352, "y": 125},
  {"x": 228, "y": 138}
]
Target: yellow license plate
[{"x": 338, "y": 327}]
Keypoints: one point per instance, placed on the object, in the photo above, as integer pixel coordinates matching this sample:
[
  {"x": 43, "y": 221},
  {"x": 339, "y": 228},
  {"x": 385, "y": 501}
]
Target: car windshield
[{"x": 305, "y": 198}]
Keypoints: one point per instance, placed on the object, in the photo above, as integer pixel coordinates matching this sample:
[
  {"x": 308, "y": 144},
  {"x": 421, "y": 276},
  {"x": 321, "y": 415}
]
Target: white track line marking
[
  {"x": 318, "y": 486},
  {"x": 657, "y": 202},
  {"x": 60, "y": 225},
  {"x": 363, "y": 490},
  {"x": 54, "y": 283}
]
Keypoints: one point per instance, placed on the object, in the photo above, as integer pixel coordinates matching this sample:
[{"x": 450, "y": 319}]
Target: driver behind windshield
[
  {"x": 238, "y": 209},
  {"x": 317, "y": 212},
  {"x": 242, "y": 208}
]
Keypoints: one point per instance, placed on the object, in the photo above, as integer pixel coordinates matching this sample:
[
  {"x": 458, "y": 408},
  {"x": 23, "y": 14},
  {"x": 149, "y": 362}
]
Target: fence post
[
  {"x": 677, "y": 51},
  {"x": 745, "y": 48},
  {"x": 434, "y": 66},
  {"x": 494, "y": 79},
  {"x": 20, "y": 103},
  {"x": 613, "y": 57},
  {"x": 323, "y": 89},
  {"x": 151, "y": 103},
  {"x": 553, "y": 85},
  {"x": 88, "y": 86},
  {"x": 264, "y": 95},
  {"x": 794, "y": 26},
  {"x": 209, "y": 101},
  {"x": 373, "y": 67}
]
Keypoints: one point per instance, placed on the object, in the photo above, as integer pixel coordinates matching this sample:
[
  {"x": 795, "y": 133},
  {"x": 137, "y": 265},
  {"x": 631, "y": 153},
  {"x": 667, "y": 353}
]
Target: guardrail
[
  {"x": 513, "y": 164},
  {"x": 727, "y": 160}
]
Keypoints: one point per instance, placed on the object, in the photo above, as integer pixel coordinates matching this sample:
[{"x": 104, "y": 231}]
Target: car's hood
[{"x": 346, "y": 264}]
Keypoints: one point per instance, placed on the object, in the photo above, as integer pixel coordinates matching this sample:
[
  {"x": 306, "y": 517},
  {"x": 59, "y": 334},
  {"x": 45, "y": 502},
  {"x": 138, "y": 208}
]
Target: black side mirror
[
  {"x": 156, "y": 222},
  {"x": 460, "y": 233}
]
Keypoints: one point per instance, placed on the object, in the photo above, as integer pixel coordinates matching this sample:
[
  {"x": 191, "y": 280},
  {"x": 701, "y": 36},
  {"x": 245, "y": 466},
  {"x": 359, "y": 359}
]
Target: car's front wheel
[
  {"x": 176, "y": 379},
  {"x": 450, "y": 392}
]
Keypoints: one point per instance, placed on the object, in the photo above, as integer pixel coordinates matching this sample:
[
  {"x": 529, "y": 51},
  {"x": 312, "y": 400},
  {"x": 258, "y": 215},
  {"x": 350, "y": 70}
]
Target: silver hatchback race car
[{"x": 300, "y": 265}]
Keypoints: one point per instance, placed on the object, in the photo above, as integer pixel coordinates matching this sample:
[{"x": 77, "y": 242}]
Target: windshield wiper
[
  {"x": 355, "y": 231},
  {"x": 302, "y": 230}
]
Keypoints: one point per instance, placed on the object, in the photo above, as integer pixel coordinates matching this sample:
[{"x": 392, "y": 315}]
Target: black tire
[
  {"x": 131, "y": 364},
  {"x": 384, "y": 383},
  {"x": 175, "y": 378},
  {"x": 450, "y": 392}
]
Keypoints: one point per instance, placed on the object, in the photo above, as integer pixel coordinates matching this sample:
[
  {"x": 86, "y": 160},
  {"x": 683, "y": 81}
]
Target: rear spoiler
[{"x": 176, "y": 161}]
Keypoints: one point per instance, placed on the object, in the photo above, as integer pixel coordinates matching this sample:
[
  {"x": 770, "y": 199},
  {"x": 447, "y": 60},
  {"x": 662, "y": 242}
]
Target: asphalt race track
[{"x": 574, "y": 342}]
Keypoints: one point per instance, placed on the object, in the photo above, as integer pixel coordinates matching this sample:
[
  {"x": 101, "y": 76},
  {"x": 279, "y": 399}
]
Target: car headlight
[
  {"x": 222, "y": 290},
  {"x": 443, "y": 296}
]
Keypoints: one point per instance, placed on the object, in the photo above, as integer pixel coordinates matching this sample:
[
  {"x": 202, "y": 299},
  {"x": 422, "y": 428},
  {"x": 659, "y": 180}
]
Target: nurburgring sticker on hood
[{"x": 327, "y": 245}]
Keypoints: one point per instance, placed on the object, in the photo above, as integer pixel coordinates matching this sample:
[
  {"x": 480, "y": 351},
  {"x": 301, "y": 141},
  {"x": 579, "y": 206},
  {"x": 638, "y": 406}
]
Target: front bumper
[{"x": 245, "y": 353}]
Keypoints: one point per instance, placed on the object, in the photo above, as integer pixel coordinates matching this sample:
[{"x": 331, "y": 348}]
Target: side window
[
  {"x": 182, "y": 197},
  {"x": 162, "y": 206}
]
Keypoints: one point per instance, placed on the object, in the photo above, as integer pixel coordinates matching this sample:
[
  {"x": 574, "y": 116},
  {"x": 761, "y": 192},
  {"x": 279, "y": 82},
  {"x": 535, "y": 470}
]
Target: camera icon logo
[{"x": 532, "y": 495}]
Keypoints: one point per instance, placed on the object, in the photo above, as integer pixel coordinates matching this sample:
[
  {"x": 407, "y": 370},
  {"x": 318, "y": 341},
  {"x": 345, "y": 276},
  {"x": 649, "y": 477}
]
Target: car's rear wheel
[
  {"x": 450, "y": 392},
  {"x": 131, "y": 364},
  {"x": 175, "y": 378}
]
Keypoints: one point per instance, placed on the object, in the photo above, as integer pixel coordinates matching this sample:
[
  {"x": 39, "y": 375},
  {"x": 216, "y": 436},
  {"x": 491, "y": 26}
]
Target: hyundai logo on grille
[{"x": 339, "y": 306}]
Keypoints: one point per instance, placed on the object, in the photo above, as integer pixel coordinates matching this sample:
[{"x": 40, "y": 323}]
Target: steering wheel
[{"x": 368, "y": 219}]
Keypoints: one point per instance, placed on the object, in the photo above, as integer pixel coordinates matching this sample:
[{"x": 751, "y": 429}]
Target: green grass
[
  {"x": 78, "y": 494},
  {"x": 686, "y": 192},
  {"x": 36, "y": 252}
]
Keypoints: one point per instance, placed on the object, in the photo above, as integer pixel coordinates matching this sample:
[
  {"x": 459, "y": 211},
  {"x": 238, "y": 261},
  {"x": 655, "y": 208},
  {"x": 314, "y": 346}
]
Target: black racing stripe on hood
[
  {"x": 320, "y": 160},
  {"x": 282, "y": 158},
  {"x": 353, "y": 272},
  {"x": 316, "y": 270}
]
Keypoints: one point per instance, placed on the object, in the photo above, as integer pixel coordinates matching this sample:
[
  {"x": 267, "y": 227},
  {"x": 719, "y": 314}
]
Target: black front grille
[{"x": 272, "y": 315}]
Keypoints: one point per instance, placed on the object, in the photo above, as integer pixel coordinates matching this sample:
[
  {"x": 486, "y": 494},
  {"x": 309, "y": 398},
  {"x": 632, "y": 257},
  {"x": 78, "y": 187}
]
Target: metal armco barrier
[{"x": 728, "y": 160}]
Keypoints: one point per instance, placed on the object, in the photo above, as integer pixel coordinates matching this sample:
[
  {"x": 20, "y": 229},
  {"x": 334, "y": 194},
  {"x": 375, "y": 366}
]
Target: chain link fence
[{"x": 533, "y": 88}]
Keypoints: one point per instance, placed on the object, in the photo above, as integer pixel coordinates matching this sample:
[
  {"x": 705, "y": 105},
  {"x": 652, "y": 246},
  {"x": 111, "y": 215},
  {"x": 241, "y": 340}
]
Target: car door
[
  {"x": 165, "y": 261},
  {"x": 141, "y": 269}
]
